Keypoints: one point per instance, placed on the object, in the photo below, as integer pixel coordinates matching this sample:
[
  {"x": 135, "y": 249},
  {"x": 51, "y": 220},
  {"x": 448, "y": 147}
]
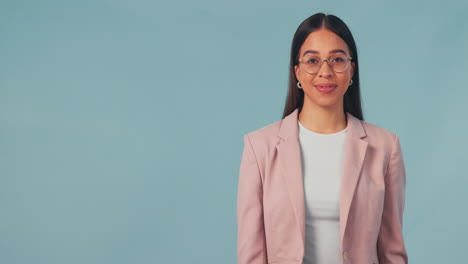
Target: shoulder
[
  {"x": 266, "y": 137},
  {"x": 379, "y": 136},
  {"x": 376, "y": 130}
]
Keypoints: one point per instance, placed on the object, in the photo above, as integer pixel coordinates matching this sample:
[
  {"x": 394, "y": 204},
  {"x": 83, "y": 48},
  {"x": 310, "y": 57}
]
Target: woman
[{"x": 321, "y": 185}]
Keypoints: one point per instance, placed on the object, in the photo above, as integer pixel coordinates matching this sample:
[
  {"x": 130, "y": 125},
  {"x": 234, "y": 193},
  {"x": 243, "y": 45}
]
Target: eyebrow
[{"x": 331, "y": 51}]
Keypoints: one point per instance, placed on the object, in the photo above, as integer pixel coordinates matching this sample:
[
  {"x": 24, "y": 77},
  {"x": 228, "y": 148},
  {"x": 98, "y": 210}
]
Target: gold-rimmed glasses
[{"x": 311, "y": 63}]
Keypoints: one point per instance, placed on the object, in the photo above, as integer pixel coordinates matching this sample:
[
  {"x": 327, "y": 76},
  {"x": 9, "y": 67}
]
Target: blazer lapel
[
  {"x": 355, "y": 150},
  {"x": 289, "y": 156}
]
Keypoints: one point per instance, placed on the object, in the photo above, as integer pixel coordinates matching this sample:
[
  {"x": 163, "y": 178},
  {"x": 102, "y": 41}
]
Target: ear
[
  {"x": 353, "y": 66},
  {"x": 297, "y": 71}
]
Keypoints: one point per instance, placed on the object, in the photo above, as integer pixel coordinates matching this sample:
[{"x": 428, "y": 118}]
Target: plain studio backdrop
[{"x": 122, "y": 121}]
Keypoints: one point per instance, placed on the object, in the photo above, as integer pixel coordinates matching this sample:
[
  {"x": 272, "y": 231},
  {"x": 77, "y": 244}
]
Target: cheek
[
  {"x": 344, "y": 79},
  {"x": 344, "y": 82},
  {"x": 344, "y": 85}
]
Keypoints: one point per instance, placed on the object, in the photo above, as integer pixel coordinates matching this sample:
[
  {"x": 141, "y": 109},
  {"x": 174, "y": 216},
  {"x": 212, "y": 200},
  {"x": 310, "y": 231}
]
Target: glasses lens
[
  {"x": 311, "y": 63},
  {"x": 339, "y": 62}
]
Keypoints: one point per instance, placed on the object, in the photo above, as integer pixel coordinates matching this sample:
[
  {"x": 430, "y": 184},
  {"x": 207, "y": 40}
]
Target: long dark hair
[{"x": 352, "y": 97}]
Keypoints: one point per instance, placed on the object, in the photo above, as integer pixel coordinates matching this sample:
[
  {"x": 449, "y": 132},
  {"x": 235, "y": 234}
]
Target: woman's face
[{"x": 324, "y": 43}]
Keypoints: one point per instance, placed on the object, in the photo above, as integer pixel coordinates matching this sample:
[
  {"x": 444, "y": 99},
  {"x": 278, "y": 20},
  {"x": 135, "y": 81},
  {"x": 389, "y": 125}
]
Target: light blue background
[{"x": 122, "y": 121}]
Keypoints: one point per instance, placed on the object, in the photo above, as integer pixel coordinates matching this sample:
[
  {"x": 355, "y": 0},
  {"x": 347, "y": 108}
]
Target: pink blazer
[{"x": 270, "y": 198}]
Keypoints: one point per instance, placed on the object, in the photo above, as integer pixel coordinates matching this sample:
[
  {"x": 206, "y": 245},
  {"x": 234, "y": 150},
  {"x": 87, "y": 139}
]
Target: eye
[
  {"x": 338, "y": 59},
  {"x": 311, "y": 61}
]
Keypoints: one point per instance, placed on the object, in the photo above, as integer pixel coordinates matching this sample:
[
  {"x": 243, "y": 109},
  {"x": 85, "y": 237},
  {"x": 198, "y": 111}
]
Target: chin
[{"x": 328, "y": 102}]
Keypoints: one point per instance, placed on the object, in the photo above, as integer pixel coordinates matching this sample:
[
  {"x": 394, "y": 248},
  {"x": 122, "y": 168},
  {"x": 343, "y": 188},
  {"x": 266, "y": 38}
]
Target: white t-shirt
[{"x": 322, "y": 170}]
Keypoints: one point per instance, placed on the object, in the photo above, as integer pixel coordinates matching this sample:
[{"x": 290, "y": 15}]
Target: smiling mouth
[{"x": 325, "y": 88}]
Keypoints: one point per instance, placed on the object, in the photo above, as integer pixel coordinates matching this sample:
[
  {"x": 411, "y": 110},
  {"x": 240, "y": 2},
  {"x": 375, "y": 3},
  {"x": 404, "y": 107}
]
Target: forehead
[{"x": 323, "y": 41}]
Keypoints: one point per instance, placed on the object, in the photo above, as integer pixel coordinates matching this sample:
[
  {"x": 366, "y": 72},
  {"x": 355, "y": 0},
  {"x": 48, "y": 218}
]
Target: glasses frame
[{"x": 348, "y": 59}]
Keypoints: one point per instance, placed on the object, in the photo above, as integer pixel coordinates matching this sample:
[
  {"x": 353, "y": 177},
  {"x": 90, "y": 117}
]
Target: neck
[{"x": 323, "y": 120}]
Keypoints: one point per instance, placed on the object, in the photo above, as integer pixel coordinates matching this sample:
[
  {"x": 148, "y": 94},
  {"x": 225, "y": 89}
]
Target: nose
[{"x": 325, "y": 70}]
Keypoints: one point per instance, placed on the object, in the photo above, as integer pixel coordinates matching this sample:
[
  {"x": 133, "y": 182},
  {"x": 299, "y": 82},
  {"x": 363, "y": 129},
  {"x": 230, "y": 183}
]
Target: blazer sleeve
[
  {"x": 251, "y": 244},
  {"x": 390, "y": 244}
]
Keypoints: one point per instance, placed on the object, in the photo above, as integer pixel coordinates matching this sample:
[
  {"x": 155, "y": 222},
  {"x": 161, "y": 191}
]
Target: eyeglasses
[{"x": 312, "y": 63}]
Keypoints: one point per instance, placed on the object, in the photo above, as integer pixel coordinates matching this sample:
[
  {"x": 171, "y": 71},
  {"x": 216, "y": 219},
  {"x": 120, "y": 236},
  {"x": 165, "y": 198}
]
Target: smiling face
[{"x": 323, "y": 43}]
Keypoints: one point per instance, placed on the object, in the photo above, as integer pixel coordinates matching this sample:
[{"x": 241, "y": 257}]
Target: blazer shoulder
[
  {"x": 378, "y": 135},
  {"x": 265, "y": 137}
]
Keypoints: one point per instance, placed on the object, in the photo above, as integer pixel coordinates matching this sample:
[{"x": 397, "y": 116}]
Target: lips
[{"x": 325, "y": 87}]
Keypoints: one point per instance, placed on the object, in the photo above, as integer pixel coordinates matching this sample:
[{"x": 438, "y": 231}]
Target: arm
[
  {"x": 251, "y": 247},
  {"x": 390, "y": 244}
]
